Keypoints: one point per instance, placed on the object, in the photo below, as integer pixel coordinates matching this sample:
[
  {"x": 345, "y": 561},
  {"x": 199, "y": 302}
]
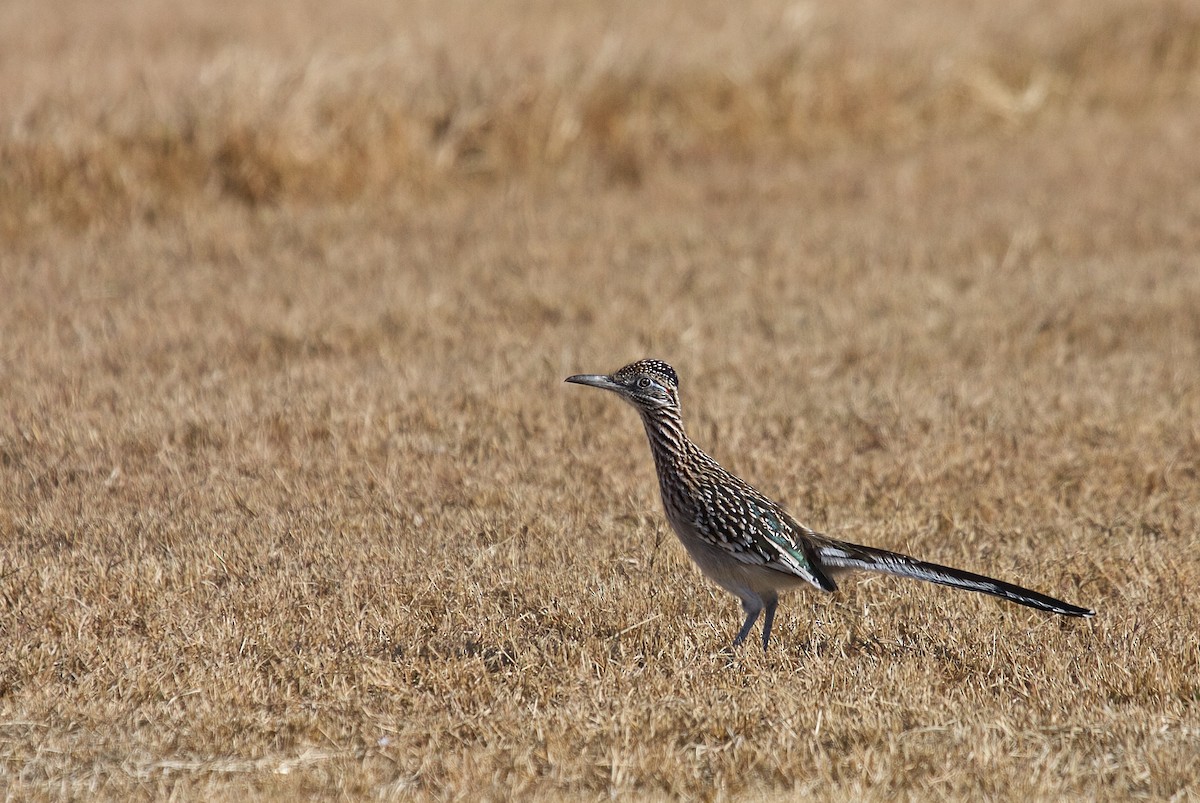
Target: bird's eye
[{"x": 644, "y": 382}]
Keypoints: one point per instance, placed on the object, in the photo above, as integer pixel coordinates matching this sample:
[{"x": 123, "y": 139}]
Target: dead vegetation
[
  {"x": 292, "y": 499},
  {"x": 412, "y": 110}
]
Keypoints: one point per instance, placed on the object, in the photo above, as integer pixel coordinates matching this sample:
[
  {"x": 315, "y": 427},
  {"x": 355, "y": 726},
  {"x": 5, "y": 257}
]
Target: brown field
[{"x": 293, "y": 500}]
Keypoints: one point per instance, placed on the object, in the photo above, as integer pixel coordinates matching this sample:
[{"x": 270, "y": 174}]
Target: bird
[{"x": 748, "y": 544}]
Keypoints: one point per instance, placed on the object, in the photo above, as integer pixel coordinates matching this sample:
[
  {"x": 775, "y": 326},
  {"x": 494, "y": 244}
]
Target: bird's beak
[{"x": 596, "y": 381}]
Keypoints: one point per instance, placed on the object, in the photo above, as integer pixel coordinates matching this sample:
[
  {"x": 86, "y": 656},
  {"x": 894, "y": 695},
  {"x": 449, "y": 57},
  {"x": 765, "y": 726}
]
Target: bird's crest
[{"x": 656, "y": 367}]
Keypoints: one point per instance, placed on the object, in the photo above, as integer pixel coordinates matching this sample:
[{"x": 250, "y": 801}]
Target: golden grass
[
  {"x": 292, "y": 498},
  {"x": 104, "y": 119}
]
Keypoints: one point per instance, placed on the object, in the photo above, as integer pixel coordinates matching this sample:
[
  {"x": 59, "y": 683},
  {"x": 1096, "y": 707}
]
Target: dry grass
[
  {"x": 292, "y": 499},
  {"x": 108, "y": 117}
]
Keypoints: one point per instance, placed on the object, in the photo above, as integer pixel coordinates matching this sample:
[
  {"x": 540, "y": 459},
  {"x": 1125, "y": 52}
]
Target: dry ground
[{"x": 293, "y": 499}]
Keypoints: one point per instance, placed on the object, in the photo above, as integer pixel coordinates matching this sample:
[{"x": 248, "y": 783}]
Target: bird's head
[{"x": 649, "y": 385}]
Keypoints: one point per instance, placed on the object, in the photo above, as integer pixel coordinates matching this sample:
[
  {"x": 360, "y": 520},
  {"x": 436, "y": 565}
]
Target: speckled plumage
[{"x": 745, "y": 542}]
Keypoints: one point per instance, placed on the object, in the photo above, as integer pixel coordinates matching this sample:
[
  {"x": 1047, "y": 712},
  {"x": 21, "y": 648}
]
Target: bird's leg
[
  {"x": 771, "y": 602},
  {"x": 752, "y": 606}
]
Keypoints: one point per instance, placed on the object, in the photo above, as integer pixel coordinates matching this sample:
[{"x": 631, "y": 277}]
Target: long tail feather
[{"x": 840, "y": 555}]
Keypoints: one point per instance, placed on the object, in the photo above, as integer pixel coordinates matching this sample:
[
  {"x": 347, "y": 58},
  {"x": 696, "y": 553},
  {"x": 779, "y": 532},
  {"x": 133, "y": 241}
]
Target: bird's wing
[
  {"x": 752, "y": 529},
  {"x": 788, "y": 542}
]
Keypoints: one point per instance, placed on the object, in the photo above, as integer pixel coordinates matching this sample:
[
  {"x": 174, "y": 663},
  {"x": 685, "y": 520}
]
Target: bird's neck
[
  {"x": 668, "y": 443},
  {"x": 674, "y": 457}
]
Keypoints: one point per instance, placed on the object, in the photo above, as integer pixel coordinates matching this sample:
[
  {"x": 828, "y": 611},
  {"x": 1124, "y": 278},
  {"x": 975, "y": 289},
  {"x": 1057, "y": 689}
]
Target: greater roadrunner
[{"x": 748, "y": 544}]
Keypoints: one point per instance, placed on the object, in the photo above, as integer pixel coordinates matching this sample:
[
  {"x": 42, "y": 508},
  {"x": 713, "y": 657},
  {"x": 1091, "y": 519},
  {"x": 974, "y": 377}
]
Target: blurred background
[
  {"x": 136, "y": 107},
  {"x": 570, "y": 161}
]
